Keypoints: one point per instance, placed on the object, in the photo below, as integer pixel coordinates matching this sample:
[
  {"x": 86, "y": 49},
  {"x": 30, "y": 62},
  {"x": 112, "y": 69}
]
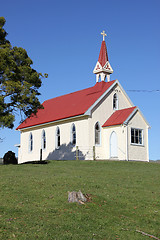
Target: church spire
[{"x": 103, "y": 68}]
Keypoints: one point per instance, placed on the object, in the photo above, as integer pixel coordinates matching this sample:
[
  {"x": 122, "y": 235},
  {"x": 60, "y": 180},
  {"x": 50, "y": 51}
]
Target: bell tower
[{"x": 103, "y": 68}]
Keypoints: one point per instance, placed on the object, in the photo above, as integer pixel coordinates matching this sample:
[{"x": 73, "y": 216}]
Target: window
[
  {"x": 115, "y": 102},
  {"x": 57, "y": 137},
  {"x": 136, "y": 136},
  {"x": 73, "y": 134},
  {"x": 97, "y": 134},
  {"x": 30, "y": 142},
  {"x": 43, "y": 140}
]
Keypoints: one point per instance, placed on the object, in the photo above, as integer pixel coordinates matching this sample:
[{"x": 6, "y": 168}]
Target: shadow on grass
[{"x": 36, "y": 162}]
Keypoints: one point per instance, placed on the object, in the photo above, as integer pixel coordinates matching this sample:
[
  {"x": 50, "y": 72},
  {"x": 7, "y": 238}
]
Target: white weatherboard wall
[
  {"x": 127, "y": 151},
  {"x": 51, "y": 152},
  {"x": 138, "y": 152}
]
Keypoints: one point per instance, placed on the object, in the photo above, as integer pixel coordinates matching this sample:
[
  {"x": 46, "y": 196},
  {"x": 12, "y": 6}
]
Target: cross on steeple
[{"x": 104, "y": 35}]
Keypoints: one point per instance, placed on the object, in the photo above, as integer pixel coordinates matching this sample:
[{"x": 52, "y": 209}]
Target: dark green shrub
[{"x": 9, "y": 158}]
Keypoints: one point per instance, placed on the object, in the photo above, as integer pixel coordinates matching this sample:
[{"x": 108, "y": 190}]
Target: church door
[{"x": 113, "y": 145}]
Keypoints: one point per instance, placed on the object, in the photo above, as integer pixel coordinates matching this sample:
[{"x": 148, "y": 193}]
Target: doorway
[{"x": 113, "y": 145}]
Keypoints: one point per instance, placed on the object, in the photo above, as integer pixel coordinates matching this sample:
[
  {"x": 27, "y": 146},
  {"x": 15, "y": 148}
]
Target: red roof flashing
[
  {"x": 66, "y": 106},
  {"x": 118, "y": 117},
  {"x": 103, "y": 56}
]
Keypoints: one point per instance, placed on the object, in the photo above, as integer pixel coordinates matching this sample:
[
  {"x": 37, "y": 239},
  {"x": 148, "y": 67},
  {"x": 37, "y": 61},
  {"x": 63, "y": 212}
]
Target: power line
[{"x": 158, "y": 90}]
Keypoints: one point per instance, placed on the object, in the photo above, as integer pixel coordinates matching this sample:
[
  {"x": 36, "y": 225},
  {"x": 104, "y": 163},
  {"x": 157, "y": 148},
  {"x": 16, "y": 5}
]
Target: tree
[
  {"x": 19, "y": 82},
  {"x": 10, "y": 158}
]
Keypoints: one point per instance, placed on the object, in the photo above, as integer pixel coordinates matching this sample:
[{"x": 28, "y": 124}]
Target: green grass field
[{"x": 125, "y": 197}]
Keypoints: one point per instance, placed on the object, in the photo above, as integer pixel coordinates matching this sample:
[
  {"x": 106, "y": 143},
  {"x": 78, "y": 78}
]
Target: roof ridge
[
  {"x": 78, "y": 91},
  {"x": 126, "y": 108},
  {"x": 118, "y": 117}
]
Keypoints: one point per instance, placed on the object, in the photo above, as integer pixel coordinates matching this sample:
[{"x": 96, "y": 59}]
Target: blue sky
[{"x": 63, "y": 39}]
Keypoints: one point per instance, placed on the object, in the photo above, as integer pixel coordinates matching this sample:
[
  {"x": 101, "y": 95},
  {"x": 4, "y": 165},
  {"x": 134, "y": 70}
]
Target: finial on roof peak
[{"x": 104, "y": 35}]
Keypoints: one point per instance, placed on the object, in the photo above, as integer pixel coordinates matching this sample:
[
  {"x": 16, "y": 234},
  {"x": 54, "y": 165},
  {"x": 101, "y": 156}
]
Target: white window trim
[
  {"x": 29, "y": 146},
  {"x": 137, "y": 144},
  {"x": 117, "y": 102},
  {"x": 71, "y": 134},
  {"x": 42, "y": 140},
  {"x": 97, "y": 144},
  {"x": 56, "y": 138}
]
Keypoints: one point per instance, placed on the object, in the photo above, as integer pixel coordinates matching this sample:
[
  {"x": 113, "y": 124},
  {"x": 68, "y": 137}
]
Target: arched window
[
  {"x": 115, "y": 102},
  {"x": 43, "y": 139},
  {"x": 97, "y": 133},
  {"x": 30, "y": 142},
  {"x": 73, "y": 134},
  {"x": 57, "y": 137}
]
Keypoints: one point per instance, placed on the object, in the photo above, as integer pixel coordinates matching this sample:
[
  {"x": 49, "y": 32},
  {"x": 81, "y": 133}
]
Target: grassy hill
[{"x": 124, "y": 197}]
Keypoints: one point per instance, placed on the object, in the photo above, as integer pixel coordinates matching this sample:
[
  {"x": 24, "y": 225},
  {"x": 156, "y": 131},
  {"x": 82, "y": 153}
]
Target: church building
[{"x": 96, "y": 123}]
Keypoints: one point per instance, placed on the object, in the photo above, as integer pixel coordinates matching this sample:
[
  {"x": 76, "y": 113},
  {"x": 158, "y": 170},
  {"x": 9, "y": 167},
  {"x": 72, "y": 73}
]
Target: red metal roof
[
  {"x": 103, "y": 56},
  {"x": 118, "y": 117},
  {"x": 66, "y": 106}
]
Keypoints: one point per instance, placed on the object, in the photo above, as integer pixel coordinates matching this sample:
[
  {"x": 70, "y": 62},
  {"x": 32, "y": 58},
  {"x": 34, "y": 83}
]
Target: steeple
[{"x": 103, "y": 68}]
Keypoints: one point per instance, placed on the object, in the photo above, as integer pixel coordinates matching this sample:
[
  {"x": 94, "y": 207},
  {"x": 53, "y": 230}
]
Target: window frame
[
  {"x": 30, "y": 142},
  {"x": 97, "y": 143},
  {"x": 137, "y": 136},
  {"x": 115, "y": 101},
  {"x": 57, "y": 138},
  {"x": 44, "y": 142},
  {"x": 73, "y": 135}
]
